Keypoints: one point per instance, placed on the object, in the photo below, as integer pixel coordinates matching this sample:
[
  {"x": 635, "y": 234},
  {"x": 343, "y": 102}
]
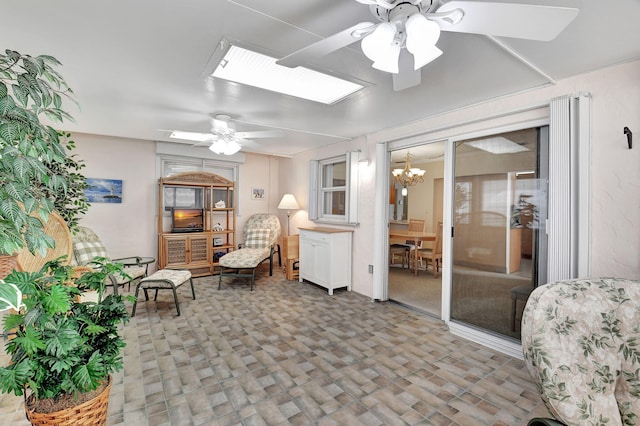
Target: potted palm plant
[
  {"x": 63, "y": 349},
  {"x": 37, "y": 174}
]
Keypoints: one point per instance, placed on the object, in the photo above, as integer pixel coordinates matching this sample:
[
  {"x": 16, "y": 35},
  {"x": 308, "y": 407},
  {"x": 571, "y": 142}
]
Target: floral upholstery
[
  {"x": 261, "y": 233},
  {"x": 164, "y": 279},
  {"x": 245, "y": 258},
  {"x": 263, "y": 221},
  {"x": 581, "y": 343}
]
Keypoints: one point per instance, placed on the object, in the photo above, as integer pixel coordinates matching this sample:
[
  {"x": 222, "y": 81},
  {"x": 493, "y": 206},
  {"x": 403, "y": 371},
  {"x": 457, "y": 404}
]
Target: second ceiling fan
[
  {"x": 405, "y": 38},
  {"x": 223, "y": 138}
]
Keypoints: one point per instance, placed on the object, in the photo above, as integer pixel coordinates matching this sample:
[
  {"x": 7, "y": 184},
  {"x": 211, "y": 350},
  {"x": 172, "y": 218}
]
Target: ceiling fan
[
  {"x": 223, "y": 138},
  {"x": 412, "y": 27}
]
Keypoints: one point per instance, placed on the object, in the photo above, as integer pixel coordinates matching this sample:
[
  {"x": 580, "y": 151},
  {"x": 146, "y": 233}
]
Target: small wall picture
[
  {"x": 257, "y": 193},
  {"x": 103, "y": 190}
]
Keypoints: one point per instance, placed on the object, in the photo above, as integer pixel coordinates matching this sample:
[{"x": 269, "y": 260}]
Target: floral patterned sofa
[
  {"x": 261, "y": 233},
  {"x": 581, "y": 343}
]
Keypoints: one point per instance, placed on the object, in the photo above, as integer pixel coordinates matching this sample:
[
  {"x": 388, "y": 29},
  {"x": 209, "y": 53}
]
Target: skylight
[
  {"x": 497, "y": 145},
  {"x": 258, "y": 70}
]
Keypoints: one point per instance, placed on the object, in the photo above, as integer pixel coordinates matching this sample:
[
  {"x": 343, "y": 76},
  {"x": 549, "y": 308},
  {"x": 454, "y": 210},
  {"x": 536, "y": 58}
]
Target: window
[
  {"x": 334, "y": 189},
  {"x": 169, "y": 165}
]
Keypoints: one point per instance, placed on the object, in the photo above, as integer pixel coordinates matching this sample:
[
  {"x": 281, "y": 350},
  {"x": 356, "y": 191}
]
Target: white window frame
[{"x": 317, "y": 191}]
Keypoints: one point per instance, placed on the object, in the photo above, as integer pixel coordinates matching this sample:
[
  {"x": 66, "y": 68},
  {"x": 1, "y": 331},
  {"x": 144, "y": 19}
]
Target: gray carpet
[
  {"x": 422, "y": 292},
  {"x": 481, "y": 299}
]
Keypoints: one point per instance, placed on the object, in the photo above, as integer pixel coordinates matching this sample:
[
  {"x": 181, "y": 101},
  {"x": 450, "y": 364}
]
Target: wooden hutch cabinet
[{"x": 196, "y": 221}]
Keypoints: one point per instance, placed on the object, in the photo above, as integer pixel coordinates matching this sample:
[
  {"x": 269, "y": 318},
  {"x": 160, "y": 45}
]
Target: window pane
[
  {"x": 497, "y": 244},
  {"x": 334, "y": 203},
  {"x": 334, "y": 174}
]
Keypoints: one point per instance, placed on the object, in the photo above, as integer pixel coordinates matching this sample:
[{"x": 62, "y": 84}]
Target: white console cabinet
[{"x": 325, "y": 257}]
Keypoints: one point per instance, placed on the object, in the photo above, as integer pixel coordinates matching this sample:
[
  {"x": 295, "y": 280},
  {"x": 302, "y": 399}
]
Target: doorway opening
[{"x": 415, "y": 215}]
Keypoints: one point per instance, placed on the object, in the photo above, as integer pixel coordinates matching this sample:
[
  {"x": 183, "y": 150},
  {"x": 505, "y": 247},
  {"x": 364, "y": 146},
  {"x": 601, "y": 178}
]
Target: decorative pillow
[
  {"x": 257, "y": 238},
  {"x": 85, "y": 251}
]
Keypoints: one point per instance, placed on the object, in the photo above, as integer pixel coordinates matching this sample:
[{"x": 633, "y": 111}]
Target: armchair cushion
[
  {"x": 581, "y": 343},
  {"x": 85, "y": 251},
  {"x": 257, "y": 238},
  {"x": 244, "y": 258}
]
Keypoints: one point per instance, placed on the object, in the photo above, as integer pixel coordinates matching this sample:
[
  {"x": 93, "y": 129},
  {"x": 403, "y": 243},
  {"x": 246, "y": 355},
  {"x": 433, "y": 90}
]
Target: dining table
[{"x": 416, "y": 237}]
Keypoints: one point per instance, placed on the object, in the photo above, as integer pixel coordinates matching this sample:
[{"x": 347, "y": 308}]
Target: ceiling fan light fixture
[
  {"x": 422, "y": 36},
  {"x": 421, "y": 31},
  {"x": 225, "y": 147},
  {"x": 217, "y": 147},
  {"x": 425, "y": 55},
  {"x": 389, "y": 60},
  {"x": 376, "y": 44},
  {"x": 231, "y": 148}
]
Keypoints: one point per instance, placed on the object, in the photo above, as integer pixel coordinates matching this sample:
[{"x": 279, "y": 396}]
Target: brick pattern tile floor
[{"x": 288, "y": 353}]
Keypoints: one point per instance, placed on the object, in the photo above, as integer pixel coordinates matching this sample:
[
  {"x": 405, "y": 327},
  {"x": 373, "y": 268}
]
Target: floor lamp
[{"x": 288, "y": 203}]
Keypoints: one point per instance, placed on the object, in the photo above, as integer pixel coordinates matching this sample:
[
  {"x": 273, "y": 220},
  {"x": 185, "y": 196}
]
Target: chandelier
[{"x": 408, "y": 176}]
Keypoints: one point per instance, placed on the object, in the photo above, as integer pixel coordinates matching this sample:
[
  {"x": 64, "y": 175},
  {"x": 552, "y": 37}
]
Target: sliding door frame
[{"x": 527, "y": 117}]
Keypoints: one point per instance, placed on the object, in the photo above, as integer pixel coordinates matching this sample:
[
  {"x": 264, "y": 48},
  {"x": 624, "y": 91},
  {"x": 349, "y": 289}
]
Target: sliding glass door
[{"x": 500, "y": 199}]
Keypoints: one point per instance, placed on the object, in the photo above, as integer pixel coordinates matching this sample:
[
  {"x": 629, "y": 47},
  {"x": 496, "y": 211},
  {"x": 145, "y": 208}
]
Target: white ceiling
[{"x": 136, "y": 66}]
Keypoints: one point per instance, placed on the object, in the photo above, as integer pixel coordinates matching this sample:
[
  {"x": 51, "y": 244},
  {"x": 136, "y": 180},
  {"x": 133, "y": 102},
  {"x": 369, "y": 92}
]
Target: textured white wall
[
  {"x": 616, "y": 172},
  {"x": 129, "y": 228},
  {"x": 615, "y": 196},
  {"x": 258, "y": 171}
]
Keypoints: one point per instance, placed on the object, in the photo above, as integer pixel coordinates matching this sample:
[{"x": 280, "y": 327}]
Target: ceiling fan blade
[
  {"x": 191, "y": 136},
  {"x": 527, "y": 21},
  {"x": 406, "y": 77},
  {"x": 260, "y": 134},
  {"x": 326, "y": 45}
]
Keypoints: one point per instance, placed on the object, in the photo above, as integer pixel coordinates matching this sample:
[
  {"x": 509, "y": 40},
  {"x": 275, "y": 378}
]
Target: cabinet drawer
[{"x": 314, "y": 237}]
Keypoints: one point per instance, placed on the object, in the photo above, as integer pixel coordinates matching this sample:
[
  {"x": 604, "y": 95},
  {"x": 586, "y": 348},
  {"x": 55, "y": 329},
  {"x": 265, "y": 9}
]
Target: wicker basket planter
[
  {"x": 89, "y": 413},
  {"x": 8, "y": 263}
]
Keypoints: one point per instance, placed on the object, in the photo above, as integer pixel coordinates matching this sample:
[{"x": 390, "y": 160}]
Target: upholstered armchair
[
  {"x": 87, "y": 245},
  {"x": 581, "y": 344},
  {"x": 261, "y": 233}
]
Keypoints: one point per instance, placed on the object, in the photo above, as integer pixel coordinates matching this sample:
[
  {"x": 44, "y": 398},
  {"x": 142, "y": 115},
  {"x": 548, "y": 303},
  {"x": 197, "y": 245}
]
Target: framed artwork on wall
[
  {"x": 257, "y": 194},
  {"x": 104, "y": 190}
]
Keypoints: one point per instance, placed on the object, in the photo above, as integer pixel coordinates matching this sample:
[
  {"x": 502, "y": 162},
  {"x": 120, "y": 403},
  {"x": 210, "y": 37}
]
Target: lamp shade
[{"x": 288, "y": 202}]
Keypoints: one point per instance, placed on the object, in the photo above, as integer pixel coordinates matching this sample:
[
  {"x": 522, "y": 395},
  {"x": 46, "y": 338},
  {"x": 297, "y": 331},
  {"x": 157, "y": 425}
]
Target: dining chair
[
  {"x": 433, "y": 254},
  {"x": 404, "y": 249}
]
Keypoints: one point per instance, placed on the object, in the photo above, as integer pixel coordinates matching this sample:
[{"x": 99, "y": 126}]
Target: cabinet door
[
  {"x": 175, "y": 251},
  {"x": 198, "y": 248},
  {"x": 307, "y": 260},
  {"x": 323, "y": 264}
]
